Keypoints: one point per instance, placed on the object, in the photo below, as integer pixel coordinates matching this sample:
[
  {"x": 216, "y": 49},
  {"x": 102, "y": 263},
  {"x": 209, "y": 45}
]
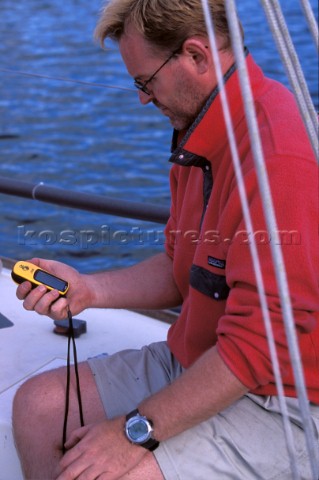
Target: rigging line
[
  {"x": 252, "y": 246},
  {"x": 275, "y": 246},
  {"x": 293, "y": 56},
  {"x": 294, "y": 71},
  {"x": 310, "y": 16},
  {"x": 291, "y": 62},
  {"x": 64, "y": 79}
]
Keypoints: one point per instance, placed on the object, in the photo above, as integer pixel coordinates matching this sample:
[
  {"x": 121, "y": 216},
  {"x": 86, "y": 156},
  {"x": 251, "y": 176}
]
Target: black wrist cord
[{"x": 68, "y": 381}]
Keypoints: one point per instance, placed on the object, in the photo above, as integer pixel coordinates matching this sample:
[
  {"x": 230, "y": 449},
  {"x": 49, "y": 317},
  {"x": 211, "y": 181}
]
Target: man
[{"x": 208, "y": 393}]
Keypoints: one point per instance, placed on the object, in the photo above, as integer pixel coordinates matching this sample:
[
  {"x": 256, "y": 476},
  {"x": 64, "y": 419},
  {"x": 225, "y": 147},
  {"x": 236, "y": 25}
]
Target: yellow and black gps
[{"x": 26, "y": 271}]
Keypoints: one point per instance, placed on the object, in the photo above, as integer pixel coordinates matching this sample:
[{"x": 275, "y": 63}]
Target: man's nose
[{"x": 144, "y": 98}]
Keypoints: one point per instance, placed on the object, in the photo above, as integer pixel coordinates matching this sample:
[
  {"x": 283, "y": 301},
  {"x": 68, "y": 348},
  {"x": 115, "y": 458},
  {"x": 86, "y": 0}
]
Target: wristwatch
[{"x": 139, "y": 429}]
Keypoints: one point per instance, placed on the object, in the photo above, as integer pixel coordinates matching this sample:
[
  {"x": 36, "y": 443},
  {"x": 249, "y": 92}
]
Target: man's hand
[
  {"x": 131, "y": 287},
  {"x": 47, "y": 302},
  {"x": 99, "y": 451}
]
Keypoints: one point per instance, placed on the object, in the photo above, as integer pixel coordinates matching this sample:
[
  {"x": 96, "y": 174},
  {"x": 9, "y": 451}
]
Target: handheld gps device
[{"x": 26, "y": 271}]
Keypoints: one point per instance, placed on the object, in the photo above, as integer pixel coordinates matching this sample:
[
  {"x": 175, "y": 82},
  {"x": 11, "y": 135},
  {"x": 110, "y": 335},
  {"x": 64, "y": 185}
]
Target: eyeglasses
[{"x": 143, "y": 86}]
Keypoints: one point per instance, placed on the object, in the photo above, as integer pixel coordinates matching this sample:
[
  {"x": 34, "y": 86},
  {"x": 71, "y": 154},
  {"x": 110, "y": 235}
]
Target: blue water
[{"x": 93, "y": 139}]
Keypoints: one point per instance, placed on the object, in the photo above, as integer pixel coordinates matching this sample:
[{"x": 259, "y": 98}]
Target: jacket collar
[{"x": 207, "y": 135}]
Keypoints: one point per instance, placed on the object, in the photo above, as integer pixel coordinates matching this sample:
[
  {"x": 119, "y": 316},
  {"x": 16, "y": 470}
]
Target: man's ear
[{"x": 199, "y": 52}]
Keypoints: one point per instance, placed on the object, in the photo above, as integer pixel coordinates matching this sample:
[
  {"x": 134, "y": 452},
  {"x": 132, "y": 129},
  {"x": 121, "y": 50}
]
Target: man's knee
[{"x": 37, "y": 396}]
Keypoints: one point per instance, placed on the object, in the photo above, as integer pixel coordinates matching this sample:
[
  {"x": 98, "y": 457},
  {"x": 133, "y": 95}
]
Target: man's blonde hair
[{"x": 163, "y": 23}]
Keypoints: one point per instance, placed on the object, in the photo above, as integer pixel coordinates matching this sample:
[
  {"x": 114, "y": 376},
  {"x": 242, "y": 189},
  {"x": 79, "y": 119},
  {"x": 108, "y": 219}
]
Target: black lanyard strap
[{"x": 68, "y": 381}]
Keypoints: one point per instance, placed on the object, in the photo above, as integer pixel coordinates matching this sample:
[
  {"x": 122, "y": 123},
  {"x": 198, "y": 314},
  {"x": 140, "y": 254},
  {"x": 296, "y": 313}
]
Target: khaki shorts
[{"x": 243, "y": 442}]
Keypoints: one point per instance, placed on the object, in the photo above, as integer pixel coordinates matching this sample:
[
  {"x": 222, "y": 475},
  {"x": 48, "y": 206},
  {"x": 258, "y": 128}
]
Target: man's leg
[
  {"x": 147, "y": 469},
  {"x": 38, "y": 414}
]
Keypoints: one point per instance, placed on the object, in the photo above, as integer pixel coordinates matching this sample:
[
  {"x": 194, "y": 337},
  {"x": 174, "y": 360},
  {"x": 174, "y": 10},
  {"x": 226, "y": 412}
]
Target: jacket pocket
[{"x": 209, "y": 283}]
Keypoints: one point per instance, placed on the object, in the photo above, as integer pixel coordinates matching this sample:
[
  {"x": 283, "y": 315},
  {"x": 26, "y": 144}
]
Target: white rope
[
  {"x": 267, "y": 201},
  {"x": 252, "y": 245},
  {"x": 269, "y": 213},
  {"x": 311, "y": 21},
  {"x": 293, "y": 68},
  {"x": 64, "y": 79}
]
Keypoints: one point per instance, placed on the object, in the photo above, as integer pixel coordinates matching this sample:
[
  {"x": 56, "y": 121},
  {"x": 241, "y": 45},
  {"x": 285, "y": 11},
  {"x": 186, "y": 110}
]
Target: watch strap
[
  {"x": 133, "y": 413},
  {"x": 151, "y": 444}
]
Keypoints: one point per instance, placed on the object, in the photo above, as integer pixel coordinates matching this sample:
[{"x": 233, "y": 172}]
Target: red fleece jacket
[{"x": 207, "y": 239}]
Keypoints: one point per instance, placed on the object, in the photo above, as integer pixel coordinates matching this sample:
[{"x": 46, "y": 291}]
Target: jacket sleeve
[{"x": 242, "y": 340}]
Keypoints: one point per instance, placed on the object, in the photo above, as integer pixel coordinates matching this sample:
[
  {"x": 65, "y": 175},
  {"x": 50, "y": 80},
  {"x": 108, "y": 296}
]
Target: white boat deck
[{"x": 30, "y": 346}]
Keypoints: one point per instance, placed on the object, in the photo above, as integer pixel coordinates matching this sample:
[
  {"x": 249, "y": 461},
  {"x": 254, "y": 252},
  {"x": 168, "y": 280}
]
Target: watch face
[{"x": 138, "y": 431}]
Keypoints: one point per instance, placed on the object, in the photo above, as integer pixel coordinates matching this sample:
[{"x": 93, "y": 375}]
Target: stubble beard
[{"x": 185, "y": 105}]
